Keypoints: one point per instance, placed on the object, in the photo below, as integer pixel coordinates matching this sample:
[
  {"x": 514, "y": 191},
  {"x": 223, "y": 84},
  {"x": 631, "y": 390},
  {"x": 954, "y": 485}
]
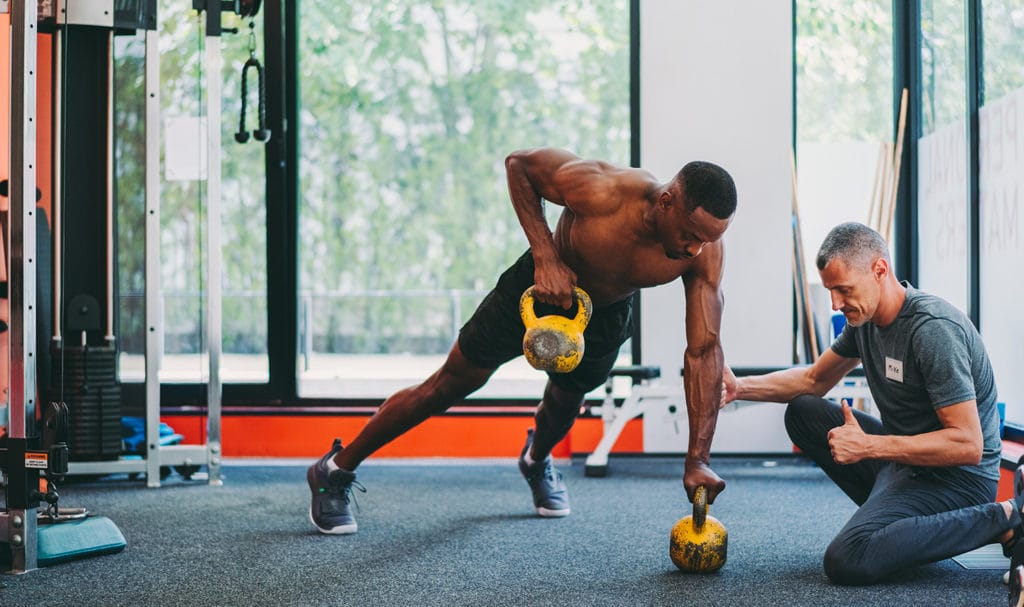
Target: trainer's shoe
[
  {"x": 1016, "y": 582},
  {"x": 550, "y": 496},
  {"x": 1010, "y": 545},
  {"x": 1015, "y": 545},
  {"x": 331, "y": 495}
]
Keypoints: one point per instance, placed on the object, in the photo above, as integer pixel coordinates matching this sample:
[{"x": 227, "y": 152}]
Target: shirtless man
[{"x": 620, "y": 231}]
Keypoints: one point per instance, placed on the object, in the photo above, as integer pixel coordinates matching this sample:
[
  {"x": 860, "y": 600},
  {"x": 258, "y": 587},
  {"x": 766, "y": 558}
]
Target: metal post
[
  {"x": 307, "y": 334},
  {"x": 109, "y": 336},
  {"x": 21, "y": 517},
  {"x": 154, "y": 290},
  {"x": 56, "y": 221},
  {"x": 975, "y": 94},
  {"x": 213, "y": 272}
]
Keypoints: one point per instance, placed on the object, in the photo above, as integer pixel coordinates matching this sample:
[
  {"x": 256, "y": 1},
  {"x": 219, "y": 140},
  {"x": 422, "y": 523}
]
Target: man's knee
[
  {"x": 801, "y": 407},
  {"x": 563, "y": 398},
  {"x": 560, "y": 403},
  {"x": 454, "y": 381},
  {"x": 799, "y": 412},
  {"x": 843, "y": 567}
]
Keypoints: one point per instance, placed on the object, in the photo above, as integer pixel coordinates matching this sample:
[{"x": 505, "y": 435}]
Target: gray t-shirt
[{"x": 930, "y": 357}]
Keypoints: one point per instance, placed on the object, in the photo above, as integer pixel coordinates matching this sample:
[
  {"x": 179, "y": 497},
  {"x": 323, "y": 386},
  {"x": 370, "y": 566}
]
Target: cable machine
[
  {"x": 34, "y": 454},
  {"x": 158, "y": 456}
]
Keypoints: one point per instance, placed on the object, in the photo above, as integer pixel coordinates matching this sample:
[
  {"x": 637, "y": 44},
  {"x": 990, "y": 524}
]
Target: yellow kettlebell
[
  {"x": 554, "y": 343},
  {"x": 698, "y": 543}
]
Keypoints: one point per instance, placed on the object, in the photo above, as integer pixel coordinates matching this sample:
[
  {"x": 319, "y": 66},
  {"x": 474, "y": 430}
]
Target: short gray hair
[{"x": 854, "y": 243}]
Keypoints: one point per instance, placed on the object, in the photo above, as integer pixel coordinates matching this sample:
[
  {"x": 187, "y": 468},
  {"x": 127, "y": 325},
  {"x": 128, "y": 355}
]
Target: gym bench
[{"x": 649, "y": 395}]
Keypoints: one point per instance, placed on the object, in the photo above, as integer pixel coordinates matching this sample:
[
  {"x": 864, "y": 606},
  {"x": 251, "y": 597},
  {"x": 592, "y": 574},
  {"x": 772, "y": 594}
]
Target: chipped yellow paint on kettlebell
[
  {"x": 554, "y": 343},
  {"x": 698, "y": 543}
]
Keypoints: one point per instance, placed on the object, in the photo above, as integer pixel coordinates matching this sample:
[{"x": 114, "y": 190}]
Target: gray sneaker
[
  {"x": 331, "y": 494},
  {"x": 550, "y": 495}
]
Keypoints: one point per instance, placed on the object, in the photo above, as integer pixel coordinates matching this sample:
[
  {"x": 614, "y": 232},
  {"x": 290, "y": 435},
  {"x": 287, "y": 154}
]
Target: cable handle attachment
[{"x": 261, "y": 133}]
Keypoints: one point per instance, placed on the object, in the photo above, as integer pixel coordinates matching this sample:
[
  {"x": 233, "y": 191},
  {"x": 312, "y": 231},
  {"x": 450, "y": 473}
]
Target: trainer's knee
[
  {"x": 843, "y": 567},
  {"x": 799, "y": 411}
]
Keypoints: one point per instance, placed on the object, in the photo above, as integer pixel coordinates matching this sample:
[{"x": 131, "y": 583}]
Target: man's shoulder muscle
[{"x": 598, "y": 187}]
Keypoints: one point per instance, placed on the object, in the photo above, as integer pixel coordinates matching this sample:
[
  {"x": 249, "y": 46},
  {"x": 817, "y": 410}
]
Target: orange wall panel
[
  {"x": 444, "y": 436},
  {"x": 5, "y": 99},
  {"x": 44, "y": 111}
]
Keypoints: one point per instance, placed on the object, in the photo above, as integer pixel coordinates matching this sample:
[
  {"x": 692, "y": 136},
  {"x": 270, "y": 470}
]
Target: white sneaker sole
[
  {"x": 339, "y": 530},
  {"x": 544, "y": 512}
]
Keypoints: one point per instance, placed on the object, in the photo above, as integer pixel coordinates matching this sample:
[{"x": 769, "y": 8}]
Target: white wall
[
  {"x": 716, "y": 85},
  {"x": 835, "y": 185}
]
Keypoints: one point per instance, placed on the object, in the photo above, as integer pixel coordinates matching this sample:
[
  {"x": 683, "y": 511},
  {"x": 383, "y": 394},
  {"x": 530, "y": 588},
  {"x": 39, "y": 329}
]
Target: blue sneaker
[
  {"x": 331, "y": 494},
  {"x": 550, "y": 495}
]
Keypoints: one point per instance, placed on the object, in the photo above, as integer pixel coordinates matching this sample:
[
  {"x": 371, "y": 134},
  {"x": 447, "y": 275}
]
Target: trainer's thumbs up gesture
[{"x": 849, "y": 444}]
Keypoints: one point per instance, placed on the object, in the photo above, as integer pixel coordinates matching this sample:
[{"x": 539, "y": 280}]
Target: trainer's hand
[
  {"x": 849, "y": 443},
  {"x": 554, "y": 283},
  {"x": 730, "y": 387},
  {"x": 698, "y": 473}
]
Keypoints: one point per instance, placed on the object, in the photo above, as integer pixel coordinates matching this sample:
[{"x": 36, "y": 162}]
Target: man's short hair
[
  {"x": 854, "y": 243},
  {"x": 708, "y": 186}
]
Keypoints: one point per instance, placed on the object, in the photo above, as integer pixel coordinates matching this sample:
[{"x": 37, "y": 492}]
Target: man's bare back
[
  {"x": 613, "y": 255},
  {"x": 608, "y": 234}
]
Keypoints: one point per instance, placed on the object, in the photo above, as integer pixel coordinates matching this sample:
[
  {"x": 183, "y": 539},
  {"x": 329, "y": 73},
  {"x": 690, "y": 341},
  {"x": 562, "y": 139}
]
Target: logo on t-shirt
[{"x": 894, "y": 369}]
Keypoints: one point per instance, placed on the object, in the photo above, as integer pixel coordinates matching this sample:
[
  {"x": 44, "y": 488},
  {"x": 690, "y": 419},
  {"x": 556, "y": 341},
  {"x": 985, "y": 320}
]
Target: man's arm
[
  {"x": 564, "y": 179},
  {"x": 702, "y": 368},
  {"x": 783, "y": 386},
  {"x": 958, "y": 443}
]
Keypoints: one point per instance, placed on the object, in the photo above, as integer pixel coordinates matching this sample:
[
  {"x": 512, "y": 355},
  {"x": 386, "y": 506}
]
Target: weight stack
[{"x": 93, "y": 397}]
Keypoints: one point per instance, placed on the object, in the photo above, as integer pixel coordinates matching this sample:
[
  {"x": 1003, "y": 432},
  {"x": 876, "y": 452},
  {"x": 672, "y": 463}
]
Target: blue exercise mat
[{"x": 59, "y": 542}]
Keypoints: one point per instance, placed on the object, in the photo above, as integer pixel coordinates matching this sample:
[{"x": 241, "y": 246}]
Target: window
[
  {"x": 844, "y": 122},
  {"x": 1001, "y": 159},
  {"x": 407, "y": 112},
  {"x": 942, "y": 149}
]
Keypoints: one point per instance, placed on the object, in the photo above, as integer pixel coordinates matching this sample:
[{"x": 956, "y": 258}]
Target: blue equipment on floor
[
  {"x": 133, "y": 435},
  {"x": 69, "y": 540}
]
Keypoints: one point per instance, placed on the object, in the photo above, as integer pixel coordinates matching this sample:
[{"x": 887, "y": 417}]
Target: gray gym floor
[{"x": 464, "y": 533}]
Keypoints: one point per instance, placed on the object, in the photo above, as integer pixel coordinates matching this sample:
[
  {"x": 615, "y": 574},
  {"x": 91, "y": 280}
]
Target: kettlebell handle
[
  {"x": 700, "y": 507},
  {"x": 583, "y": 311}
]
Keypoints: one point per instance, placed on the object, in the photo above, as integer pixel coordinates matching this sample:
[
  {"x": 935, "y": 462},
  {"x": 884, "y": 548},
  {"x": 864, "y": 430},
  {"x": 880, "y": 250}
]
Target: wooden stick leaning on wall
[
  {"x": 800, "y": 346},
  {"x": 884, "y": 188},
  {"x": 879, "y": 188},
  {"x": 801, "y": 274},
  {"x": 874, "y": 185},
  {"x": 897, "y": 161}
]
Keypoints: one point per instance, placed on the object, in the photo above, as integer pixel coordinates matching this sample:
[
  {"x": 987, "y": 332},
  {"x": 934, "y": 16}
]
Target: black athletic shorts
[{"x": 494, "y": 334}]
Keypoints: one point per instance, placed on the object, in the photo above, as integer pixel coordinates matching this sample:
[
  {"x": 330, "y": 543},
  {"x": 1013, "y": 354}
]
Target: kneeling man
[{"x": 925, "y": 474}]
